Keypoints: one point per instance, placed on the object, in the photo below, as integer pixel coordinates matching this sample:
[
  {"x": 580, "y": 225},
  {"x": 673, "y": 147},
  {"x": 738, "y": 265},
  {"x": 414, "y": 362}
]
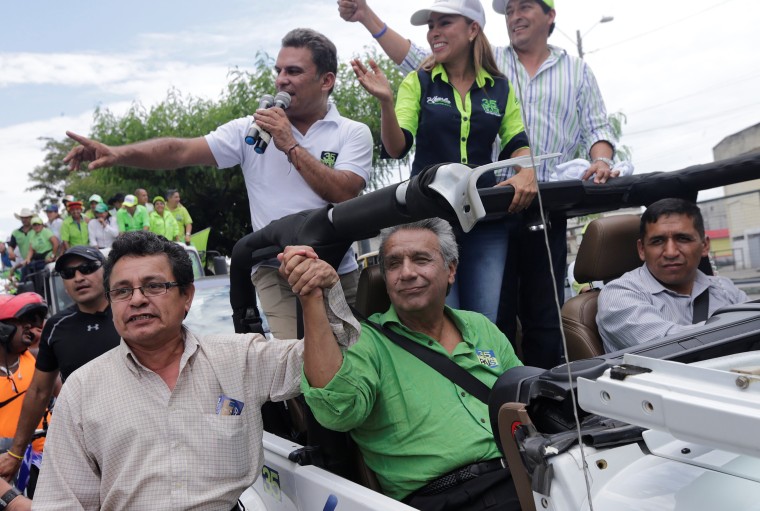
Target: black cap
[{"x": 85, "y": 252}]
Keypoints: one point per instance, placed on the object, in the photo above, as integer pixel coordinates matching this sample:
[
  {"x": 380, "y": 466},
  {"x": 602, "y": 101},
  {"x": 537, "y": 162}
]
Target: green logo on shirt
[
  {"x": 490, "y": 107},
  {"x": 487, "y": 358},
  {"x": 329, "y": 158}
]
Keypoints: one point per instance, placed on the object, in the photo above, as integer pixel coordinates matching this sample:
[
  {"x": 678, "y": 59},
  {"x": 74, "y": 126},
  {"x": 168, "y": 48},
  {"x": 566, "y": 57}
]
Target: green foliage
[
  {"x": 215, "y": 198},
  {"x": 617, "y": 119},
  {"x": 51, "y": 177}
]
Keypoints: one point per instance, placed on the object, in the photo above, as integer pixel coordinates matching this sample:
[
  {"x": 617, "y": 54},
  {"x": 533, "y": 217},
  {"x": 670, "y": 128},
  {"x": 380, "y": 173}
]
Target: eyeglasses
[
  {"x": 84, "y": 269},
  {"x": 153, "y": 289}
]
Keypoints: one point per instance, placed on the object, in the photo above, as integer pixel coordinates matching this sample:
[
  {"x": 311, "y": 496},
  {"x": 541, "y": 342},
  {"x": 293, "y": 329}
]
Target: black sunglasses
[{"x": 84, "y": 269}]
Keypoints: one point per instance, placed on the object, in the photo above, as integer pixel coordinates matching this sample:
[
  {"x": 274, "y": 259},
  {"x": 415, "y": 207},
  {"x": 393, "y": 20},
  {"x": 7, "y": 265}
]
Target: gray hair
[{"x": 441, "y": 228}]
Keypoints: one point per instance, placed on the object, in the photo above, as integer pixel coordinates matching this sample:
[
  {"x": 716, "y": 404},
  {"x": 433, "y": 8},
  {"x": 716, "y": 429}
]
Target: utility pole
[{"x": 579, "y": 37}]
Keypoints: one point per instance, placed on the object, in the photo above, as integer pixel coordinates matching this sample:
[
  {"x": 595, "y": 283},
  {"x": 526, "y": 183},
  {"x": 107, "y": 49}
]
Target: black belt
[{"x": 459, "y": 476}]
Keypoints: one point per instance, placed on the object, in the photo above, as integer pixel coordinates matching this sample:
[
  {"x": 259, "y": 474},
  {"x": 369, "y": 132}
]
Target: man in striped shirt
[
  {"x": 663, "y": 296},
  {"x": 564, "y": 112}
]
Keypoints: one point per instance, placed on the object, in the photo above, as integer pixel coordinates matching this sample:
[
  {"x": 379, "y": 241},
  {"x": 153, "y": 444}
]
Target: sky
[{"x": 686, "y": 75}]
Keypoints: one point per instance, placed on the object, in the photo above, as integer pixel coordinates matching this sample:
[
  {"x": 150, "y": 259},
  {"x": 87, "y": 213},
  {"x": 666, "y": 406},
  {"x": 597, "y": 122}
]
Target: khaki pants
[{"x": 279, "y": 302}]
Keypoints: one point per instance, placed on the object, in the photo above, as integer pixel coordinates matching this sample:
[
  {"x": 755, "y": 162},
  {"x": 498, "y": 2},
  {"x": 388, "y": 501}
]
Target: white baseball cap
[{"x": 472, "y": 9}]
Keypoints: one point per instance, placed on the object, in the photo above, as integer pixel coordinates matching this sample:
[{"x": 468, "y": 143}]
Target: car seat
[{"x": 607, "y": 251}]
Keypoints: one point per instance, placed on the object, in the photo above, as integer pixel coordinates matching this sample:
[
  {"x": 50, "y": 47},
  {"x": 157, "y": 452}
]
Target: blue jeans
[{"x": 482, "y": 252}]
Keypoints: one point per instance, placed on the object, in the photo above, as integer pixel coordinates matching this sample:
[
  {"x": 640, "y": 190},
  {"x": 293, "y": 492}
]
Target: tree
[
  {"x": 622, "y": 152},
  {"x": 356, "y": 103},
  {"x": 52, "y": 176}
]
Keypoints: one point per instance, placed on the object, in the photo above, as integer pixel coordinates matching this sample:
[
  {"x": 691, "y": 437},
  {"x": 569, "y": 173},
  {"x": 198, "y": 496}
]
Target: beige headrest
[{"x": 608, "y": 248}]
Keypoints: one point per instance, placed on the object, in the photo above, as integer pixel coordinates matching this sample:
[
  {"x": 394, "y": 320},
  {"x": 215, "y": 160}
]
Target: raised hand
[
  {"x": 373, "y": 80},
  {"x": 352, "y": 10}
]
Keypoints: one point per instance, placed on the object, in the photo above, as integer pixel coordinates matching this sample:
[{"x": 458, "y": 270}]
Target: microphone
[
  {"x": 281, "y": 100},
  {"x": 252, "y": 136}
]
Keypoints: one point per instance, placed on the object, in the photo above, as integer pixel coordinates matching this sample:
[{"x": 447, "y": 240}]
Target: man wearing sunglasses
[{"x": 70, "y": 339}]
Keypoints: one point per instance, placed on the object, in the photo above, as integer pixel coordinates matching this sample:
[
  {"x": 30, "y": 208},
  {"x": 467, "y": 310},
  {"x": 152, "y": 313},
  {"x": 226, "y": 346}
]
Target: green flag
[{"x": 200, "y": 241}]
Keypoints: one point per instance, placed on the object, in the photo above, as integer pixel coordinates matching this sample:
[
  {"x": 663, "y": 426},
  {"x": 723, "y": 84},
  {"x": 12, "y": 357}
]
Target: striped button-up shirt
[
  {"x": 563, "y": 107},
  {"x": 637, "y": 308},
  {"x": 122, "y": 440}
]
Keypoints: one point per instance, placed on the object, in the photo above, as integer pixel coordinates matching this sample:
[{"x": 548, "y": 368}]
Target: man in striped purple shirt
[{"x": 564, "y": 112}]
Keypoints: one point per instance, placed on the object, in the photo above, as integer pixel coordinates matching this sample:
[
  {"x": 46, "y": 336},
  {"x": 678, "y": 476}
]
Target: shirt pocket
[{"x": 223, "y": 446}]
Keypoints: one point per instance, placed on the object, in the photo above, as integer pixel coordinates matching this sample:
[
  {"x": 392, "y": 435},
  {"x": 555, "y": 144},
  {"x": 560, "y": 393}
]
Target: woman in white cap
[
  {"x": 455, "y": 106},
  {"x": 95, "y": 199}
]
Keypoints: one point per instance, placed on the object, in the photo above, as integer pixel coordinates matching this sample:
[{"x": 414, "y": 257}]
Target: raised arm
[
  {"x": 374, "y": 81},
  {"x": 393, "y": 44},
  {"x": 156, "y": 154}
]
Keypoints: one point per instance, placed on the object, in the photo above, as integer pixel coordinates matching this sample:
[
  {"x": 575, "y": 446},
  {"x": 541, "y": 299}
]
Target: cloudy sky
[{"x": 684, "y": 78}]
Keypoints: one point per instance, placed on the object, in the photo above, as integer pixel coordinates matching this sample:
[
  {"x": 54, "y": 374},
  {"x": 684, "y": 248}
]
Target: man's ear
[
  {"x": 706, "y": 248},
  {"x": 188, "y": 297},
  {"x": 640, "y": 247},
  {"x": 328, "y": 81}
]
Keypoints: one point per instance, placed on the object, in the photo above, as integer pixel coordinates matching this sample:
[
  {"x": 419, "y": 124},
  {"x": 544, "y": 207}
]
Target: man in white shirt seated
[{"x": 668, "y": 294}]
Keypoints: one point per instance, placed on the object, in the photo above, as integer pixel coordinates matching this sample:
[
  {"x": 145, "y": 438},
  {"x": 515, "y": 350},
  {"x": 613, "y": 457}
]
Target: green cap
[
  {"x": 101, "y": 207},
  {"x": 158, "y": 198}
]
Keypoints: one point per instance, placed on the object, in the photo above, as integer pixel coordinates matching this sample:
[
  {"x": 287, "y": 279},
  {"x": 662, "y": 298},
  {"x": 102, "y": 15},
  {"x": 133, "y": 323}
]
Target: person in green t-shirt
[
  {"x": 402, "y": 413},
  {"x": 43, "y": 246},
  {"x": 74, "y": 228},
  {"x": 180, "y": 213},
  {"x": 162, "y": 222},
  {"x": 132, "y": 216}
]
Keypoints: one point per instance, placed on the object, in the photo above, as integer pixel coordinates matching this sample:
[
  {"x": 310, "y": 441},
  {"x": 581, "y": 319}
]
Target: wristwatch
[
  {"x": 608, "y": 161},
  {"x": 8, "y": 497}
]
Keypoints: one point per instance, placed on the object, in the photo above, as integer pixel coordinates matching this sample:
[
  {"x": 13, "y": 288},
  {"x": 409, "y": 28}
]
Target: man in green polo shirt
[
  {"x": 132, "y": 216},
  {"x": 74, "y": 228},
  {"x": 417, "y": 430}
]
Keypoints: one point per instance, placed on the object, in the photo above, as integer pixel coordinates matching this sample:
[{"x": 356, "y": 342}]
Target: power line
[
  {"x": 691, "y": 121},
  {"x": 703, "y": 91},
  {"x": 667, "y": 25}
]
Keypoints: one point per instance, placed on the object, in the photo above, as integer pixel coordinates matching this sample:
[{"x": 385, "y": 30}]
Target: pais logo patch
[
  {"x": 487, "y": 358},
  {"x": 329, "y": 158}
]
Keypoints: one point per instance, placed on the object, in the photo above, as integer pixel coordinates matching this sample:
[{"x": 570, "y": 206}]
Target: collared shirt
[
  {"x": 129, "y": 222},
  {"x": 102, "y": 236},
  {"x": 164, "y": 225},
  {"x": 413, "y": 424},
  {"x": 122, "y": 440},
  {"x": 75, "y": 233},
  {"x": 21, "y": 239},
  {"x": 450, "y": 129},
  {"x": 181, "y": 217},
  {"x": 637, "y": 308},
  {"x": 562, "y": 103},
  {"x": 275, "y": 187}
]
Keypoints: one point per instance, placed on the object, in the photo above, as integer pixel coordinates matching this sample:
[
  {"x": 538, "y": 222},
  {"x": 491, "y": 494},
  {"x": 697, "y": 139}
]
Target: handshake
[{"x": 258, "y": 137}]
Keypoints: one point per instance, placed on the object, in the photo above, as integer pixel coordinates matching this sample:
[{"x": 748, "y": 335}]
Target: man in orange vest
[{"x": 21, "y": 320}]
